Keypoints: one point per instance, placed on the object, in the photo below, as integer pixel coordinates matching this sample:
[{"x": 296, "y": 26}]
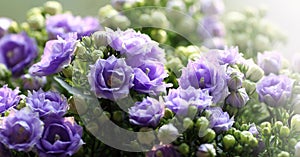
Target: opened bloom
[
  {"x": 275, "y": 90},
  {"x": 270, "y": 62},
  {"x": 61, "y": 137},
  {"x": 17, "y": 51},
  {"x": 46, "y": 103},
  {"x": 57, "y": 55},
  {"x": 111, "y": 78},
  {"x": 21, "y": 130},
  {"x": 8, "y": 98},
  {"x": 163, "y": 150},
  {"x": 219, "y": 120},
  {"x": 146, "y": 113}
]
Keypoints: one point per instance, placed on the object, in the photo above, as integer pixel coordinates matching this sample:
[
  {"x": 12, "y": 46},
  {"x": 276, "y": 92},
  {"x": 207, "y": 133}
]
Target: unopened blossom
[
  {"x": 238, "y": 98},
  {"x": 4, "y": 25},
  {"x": 31, "y": 82},
  {"x": 206, "y": 150},
  {"x": 57, "y": 55}
]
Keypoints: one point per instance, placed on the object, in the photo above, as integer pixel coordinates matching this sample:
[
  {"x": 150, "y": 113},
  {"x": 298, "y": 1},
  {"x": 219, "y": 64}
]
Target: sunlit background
[{"x": 285, "y": 14}]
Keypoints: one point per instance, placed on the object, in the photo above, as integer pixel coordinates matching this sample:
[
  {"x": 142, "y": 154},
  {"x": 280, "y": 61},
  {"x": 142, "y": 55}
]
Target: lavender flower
[
  {"x": 205, "y": 75},
  {"x": 206, "y": 150},
  {"x": 8, "y": 98},
  {"x": 270, "y": 62},
  {"x": 111, "y": 78},
  {"x": 146, "y": 113},
  {"x": 238, "y": 98},
  {"x": 62, "y": 24},
  {"x": 46, "y": 103},
  {"x": 61, "y": 137},
  {"x": 210, "y": 26},
  {"x": 149, "y": 78},
  {"x": 179, "y": 100},
  {"x": 31, "y": 82},
  {"x": 4, "y": 151},
  {"x": 163, "y": 150},
  {"x": 212, "y": 7},
  {"x": 274, "y": 90},
  {"x": 219, "y": 120},
  {"x": 253, "y": 130},
  {"x": 21, "y": 130},
  {"x": 136, "y": 47},
  {"x": 57, "y": 55},
  {"x": 17, "y": 51},
  {"x": 229, "y": 55},
  {"x": 4, "y": 25}
]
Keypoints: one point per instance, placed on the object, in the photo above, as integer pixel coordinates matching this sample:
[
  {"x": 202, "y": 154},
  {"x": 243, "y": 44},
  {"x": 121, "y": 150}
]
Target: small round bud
[
  {"x": 145, "y": 20},
  {"x": 284, "y": 131},
  {"x": 52, "y": 7},
  {"x": 184, "y": 149},
  {"x": 34, "y": 11},
  {"x": 14, "y": 28},
  {"x": 202, "y": 123},
  {"x": 168, "y": 113},
  {"x": 159, "y": 35},
  {"x": 192, "y": 111},
  {"x": 209, "y": 136},
  {"x": 4, "y": 72},
  {"x": 265, "y": 124},
  {"x": 159, "y": 19},
  {"x": 188, "y": 123},
  {"x": 266, "y": 131},
  {"x": 100, "y": 38},
  {"x": 295, "y": 123},
  {"x": 246, "y": 136},
  {"x": 253, "y": 142},
  {"x": 278, "y": 125},
  {"x": 120, "y": 21},
  {"x": 292, "y": 142},
  {"x": 228, "y": 141},
  {"x": 117, "y": 116},
  {"x": 254, "y": 73},
  {"x": 283, "y": 154},
  {"x": 238, "y": 148}
]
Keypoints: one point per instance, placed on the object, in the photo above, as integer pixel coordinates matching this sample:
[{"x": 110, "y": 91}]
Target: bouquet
[{"x": 146, "y": 78}]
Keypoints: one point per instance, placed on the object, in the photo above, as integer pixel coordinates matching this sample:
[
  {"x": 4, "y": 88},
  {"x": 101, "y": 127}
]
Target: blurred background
[{"x": 284, "y": 14}]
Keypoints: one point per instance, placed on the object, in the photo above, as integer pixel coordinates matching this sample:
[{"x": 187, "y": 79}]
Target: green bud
[
  {"x": 266, "y": 131},
  {"x": 159, "y": 19},
  {"x": 159, "y": 35},
  {"x": 202, "y": 124},
  {"x": 87, "y": 41},
  {"x": 52, "y": 7},
  {"x": 4, "y": 72},
  {"x": 184, "y": 149},
  {"x": 36, "y": 21},
  {"x": 249, "y": 86},
  {"x": 92, "y": 127},
  {"x": 96, "y": 54},
  {"x": 246, "y": 136},
  {"x": 107, "y": 12},
  {"x": 120, "y": 21},
  {"x": 100, "y": 38},
  {"x": 34, "y": 11},
  {"x": 14, "y": 28},
  {"x": 117, "y": 116},
  {"x": 188, "y": 123},
  {"x": 253, "y": 142},
  {"x": 145, "y": 19},
  {"x": 237, "y": 134},
  {"x": 295, "y": 123},
  {"x": 265, "y": 124},
  {"x": 278, "y": 125},
  {"x": 68, "y": 71},
  {"x": 186, "y": 26},
  {"x": 244, "y": 127},
  {"x": 292, "y": 142},
  {"x": 228, "y": 141},
  {"x": 97, "y": 111},
  {"x": 146, "y": 136},
  {"x": 78, "y": 104},
  {"x": 168, "y": 113},
  {"x": 254, "y": 72},
  {"x": 209, "y": 136},
  {"x": 284, "y": 131},
  {"x": 283, "y": 154},
  {"x": 175, "y": 65},
  {"x": 192, "y": 111},
  {"x": 238, "y": 148},
  {"x": 25, "y": 27}
]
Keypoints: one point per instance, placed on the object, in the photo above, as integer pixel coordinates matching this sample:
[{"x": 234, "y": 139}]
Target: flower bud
[
  {"x": 145, "y": 19},
  {"x": 295, "y": 123},
  {"x": 107, "y": 12},
  {"x": 202, "y": 124},
  {"x": 238, "y": 98},
  {"x": 186, "y": 26},
  {"x": 159, "y": 19},
  {"x": 120, "y": 21},
  {"x": 266, "y": 131},
  {"x": 262, "y": 43},
  {"x": 210, "y": 135},
  {"x": 206, "y": 150},
  {"x": 159, "y": 35},
  {"x": 228, "y": 141},
  {"x": 297, "y": 150},
  {"x": 97, "y": 54},
  {"x": 168, "y": 113},
  {"x": 167, "y": 133},
  {"x": 117, "y": 116},
  {"x": 100, "y": 38},
  {"x": 184, "y": 149},
  {"x": 237, "y": 134},
  {"x": 52, "y": 7},
  {"x": 188, "y": 123},
  {"x": 278, "y": 125},
  {"x": 238, "y": 148},
  {"x": 249, "y": 86},
  {"x": 192, "y": 111},
  {"x": 254, "y": 72},
  {"x": 253, "y": 142},
  {"x": 25, "y": 27},
  {"x": 13, "y": 27},
  {"x": 34, "y": 11},
  {"x": 246, "y": 136},
  {"x": 146, "y": 136},
  {"x": 36, "y": 21},
  {"x": 4, "y": 72},
  {"x": 97, "y": 111},
  {"x": 236, "y": 79},
  {"x": 284, "y": 132},
  {"x": 283, "y": 154},
  {"x": 292, "y": 142},
  {"x": 265, "y": 124},
  {"x": 77, "y": 104}
]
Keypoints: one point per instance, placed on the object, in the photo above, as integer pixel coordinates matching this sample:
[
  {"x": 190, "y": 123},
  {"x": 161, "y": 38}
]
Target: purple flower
[
  {"x": 206, "y": 150},
  {"x": 146, "y": 113},
  {"x": 238, "y": 98},
  {"x": 57, "y": 55},
  {"x": 229, "y": 55},
  {"x": 236, "y": 79},
  {"x": 111, "y": 78},
  {"x": 31, "y": 82},
  {"x": 17, "y": 51},
  {"x": 136, "y": 47},
  {"x": 149, "y": 78},
  {"x": 163, "y": 150},
  {"x": 4, "y": 151},
  {"x": 61, "y": 137},
  {"x": 205, "y": 75},
  {"x": 212, "y": 7},
  {"x": 4, "y": 25},
  {"x": 46, "y": 103},
  {"x": 62, "y": 24},
  {"x": 270, "y": 62},
  {"x": 274, "y": 90},
  {"x": 253, "y": 130},
  {"x": 21, "y": 130},
  {"x": 179, "y": 100},
  {"x": 8, "y": 98},
  {"x": 219, "y": 120},
  {"x": 210, "y": 26}
]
